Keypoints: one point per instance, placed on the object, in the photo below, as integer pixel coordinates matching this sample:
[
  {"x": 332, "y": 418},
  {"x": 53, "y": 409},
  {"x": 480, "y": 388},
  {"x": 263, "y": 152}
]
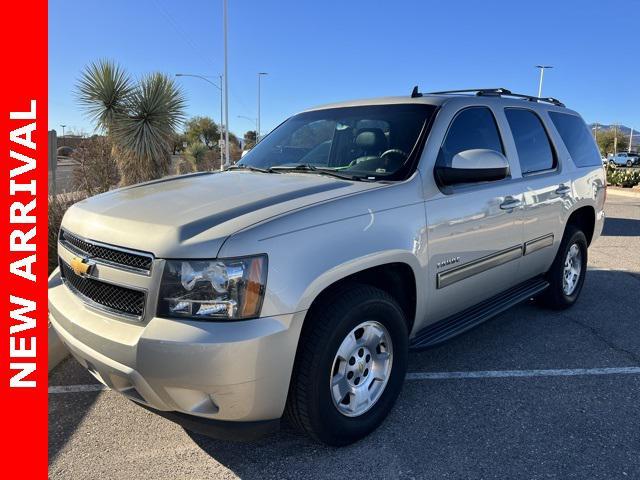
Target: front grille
[
  {"x": 104, "y": 295},
  {"x": 114, "y": 256}
]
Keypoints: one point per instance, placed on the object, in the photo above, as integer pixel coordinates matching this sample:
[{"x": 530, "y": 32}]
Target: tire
[
  {"x": 629, "y": 164},
  {"x": 560, "y": 295},
  {"x": 311, "y": 406}
]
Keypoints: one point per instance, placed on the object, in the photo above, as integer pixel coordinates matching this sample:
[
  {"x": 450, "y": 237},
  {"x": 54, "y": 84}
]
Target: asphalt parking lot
[{"x": 564, "y": 403}]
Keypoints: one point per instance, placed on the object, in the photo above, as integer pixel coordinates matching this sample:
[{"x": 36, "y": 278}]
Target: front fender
[{"x": 312, "y": 249}]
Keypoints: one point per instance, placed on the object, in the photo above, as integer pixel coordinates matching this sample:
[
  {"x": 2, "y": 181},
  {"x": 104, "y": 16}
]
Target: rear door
[
  {"x": 474, "y": 230},
  {"x": 546, "y": 189}
]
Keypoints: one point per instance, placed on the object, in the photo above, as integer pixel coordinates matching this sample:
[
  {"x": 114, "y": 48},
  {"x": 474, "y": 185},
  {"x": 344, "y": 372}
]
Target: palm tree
[{"x": 140, "y": 119}]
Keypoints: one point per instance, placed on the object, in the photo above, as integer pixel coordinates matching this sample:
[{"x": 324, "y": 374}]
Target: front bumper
[{"x": 222, "y": 372}]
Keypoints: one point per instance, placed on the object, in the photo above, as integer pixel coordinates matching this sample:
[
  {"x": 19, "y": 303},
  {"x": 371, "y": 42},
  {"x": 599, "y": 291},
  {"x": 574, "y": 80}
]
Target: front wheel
[
  {"x": 629, "y": 163},
  {"x": 350, "y": 366},
  {"x": 567, "y": 273}
]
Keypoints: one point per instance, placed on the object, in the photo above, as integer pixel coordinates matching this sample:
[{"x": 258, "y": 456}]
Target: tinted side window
[
  {"x": 532, "y": 143},
  {"x": 577, "y": 138},
  {"x": 472, "y": 128}
]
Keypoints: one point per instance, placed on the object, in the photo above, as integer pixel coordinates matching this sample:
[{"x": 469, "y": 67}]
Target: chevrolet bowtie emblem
[{"x": 81, "y": 266}]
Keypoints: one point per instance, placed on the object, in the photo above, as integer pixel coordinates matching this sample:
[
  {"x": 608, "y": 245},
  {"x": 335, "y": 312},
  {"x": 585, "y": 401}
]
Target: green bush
[{"x": 623, "y": 177}]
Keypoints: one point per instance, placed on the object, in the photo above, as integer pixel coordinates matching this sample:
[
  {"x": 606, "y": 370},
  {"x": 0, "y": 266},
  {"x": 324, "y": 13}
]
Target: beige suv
[{"x": 295, "y": 283}]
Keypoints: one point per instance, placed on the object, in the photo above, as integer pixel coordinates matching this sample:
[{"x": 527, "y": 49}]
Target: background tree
[
  {"x": 139, "y": 119},
  {"x": 606, "y": 142},
  {"x": 203, "y": 130},
  {"x": 178, "y": 141},
  {"x": 249, "y": 139}
]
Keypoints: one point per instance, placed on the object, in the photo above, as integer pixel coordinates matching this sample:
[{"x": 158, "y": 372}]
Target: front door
[{"x": 474, "y": 230}]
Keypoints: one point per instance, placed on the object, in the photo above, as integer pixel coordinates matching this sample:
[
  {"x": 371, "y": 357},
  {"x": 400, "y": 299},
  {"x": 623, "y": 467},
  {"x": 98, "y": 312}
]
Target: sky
[{"x": 319, "y": 52}]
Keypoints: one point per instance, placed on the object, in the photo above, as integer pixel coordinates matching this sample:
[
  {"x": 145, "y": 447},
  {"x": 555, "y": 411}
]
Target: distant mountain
[{"x": 623, "y": 129}]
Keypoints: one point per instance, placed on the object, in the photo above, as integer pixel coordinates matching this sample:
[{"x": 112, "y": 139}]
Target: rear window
[{"x": 577, "y": 138}]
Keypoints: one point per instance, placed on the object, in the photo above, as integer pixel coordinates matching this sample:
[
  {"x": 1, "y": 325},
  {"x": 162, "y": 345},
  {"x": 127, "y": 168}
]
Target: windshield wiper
[
  {"x": 251, "y": 168},
  {"x": 307, "y": 168}
]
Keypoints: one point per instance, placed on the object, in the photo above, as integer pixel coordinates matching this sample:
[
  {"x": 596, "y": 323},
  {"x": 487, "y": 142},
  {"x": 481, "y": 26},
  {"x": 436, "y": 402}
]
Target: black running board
[{"x": 458, "y": 323}]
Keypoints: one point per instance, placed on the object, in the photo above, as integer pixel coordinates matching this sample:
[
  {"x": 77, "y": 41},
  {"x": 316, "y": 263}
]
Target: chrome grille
[
  {"x": 103, "y": 295},
  {"x": 117, "y": 257}
]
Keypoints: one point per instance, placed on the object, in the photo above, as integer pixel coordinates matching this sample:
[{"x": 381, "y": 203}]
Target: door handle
[
  {"x": 563, "y": 190},
  {"x": 510, "y": 203}
]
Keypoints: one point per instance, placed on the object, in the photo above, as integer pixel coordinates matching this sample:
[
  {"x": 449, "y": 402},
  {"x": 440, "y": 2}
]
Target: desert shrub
[
  {"x": 58, "y": 205},
  {"x": 184, "y": 166},
  {"x": 623, "y": 177},
  {"x": 64, "y": 151},
  {"x": 196, "y": 154},
  {"x": 97, "y": 170}
]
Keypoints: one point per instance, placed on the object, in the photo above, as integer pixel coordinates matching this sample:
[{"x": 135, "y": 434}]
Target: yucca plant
[
  {"x": 140, "y": 119},
  {"x": 103, "y": 90}
]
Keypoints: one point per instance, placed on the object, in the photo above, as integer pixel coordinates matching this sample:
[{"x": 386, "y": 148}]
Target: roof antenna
[{"x": 415, "y": 93}]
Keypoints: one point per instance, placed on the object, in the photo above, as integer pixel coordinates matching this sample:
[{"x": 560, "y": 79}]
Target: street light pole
[
  {"x": 226, "y": 84},
  {"x": 260, "y": 74},
  {"x": 542, "y": 68},
  {"x": 222, "y": 128},
  {"x": 252, "y": 120},
  {"x": 62, "y": 133},
  {"x": 219, "y": 87}
]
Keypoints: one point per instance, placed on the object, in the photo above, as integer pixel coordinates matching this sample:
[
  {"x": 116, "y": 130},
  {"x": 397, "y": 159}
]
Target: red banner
[{"x": 23, "y": 276}]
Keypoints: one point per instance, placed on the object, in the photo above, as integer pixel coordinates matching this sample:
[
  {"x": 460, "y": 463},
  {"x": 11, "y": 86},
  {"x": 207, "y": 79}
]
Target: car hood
[{"x": 190, "y": 216}]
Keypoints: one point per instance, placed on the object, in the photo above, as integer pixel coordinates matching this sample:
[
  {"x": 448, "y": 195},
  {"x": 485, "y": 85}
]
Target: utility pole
[
  {"x": 630, "y": 140},
  {"x": 542, "y": 69},
  {"x": 225, "y": 9},
  {"x": 260, "y": 74},
  {"x": 615, "y": 139}
]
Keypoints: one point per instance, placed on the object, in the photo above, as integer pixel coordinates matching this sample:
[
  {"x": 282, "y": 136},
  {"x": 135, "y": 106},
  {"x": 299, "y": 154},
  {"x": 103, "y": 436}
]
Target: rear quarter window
[{"x": 577, "y": 138}]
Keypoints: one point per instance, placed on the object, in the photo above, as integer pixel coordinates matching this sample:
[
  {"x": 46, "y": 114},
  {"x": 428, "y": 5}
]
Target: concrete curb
[
  {"x": 57, "y": 350},
  {"x": 623, "y": 192}
]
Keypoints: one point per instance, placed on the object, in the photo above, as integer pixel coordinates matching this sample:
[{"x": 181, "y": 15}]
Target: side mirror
[{"x": 476, "y": 165}]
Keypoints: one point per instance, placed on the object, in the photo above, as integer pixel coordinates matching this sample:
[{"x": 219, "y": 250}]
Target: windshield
[{"x": 368, "y": 141}]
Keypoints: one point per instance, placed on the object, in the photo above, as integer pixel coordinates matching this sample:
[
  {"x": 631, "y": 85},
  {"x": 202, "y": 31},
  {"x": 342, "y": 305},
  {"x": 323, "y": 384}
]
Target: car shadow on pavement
[
  {"x": 64, "y": 419},
  {"x": 621, "y": 227}
]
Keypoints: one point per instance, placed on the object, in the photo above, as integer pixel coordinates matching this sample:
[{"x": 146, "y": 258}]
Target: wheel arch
[
  {"x": 583, "y": 218},
  {"x": 396, "y": 274}
]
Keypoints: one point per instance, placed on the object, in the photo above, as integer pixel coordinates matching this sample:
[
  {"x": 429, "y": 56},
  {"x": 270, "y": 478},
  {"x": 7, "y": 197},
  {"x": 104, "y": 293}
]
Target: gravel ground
[{"x": 585, "y": 426}]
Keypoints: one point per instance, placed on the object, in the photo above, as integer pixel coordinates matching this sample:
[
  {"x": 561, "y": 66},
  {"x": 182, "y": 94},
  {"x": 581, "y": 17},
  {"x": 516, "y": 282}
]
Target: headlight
[{"x": 230, "y": 289}]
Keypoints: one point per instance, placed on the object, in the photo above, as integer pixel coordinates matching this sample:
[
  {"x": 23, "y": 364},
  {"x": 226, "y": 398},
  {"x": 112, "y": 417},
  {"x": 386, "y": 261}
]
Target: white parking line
[
  {"x": 523, "y": 373},
  {"x": 437, "y": 376}
]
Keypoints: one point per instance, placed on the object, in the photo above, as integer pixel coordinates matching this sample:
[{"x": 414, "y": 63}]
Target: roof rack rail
[{"x": 499, "y": 92}]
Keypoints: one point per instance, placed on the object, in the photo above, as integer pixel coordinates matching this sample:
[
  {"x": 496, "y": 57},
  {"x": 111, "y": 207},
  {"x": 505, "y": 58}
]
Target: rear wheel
[
  {"x": 629, "y": 163},
  {"x": 350, "y": 366},
  {"x": 567, "y": 273}
]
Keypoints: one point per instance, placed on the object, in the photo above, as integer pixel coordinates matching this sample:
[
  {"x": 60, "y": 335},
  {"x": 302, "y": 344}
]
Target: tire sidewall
[
  {"x": 332, "y": 426},
  {"x": 575, "y": 237}
]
